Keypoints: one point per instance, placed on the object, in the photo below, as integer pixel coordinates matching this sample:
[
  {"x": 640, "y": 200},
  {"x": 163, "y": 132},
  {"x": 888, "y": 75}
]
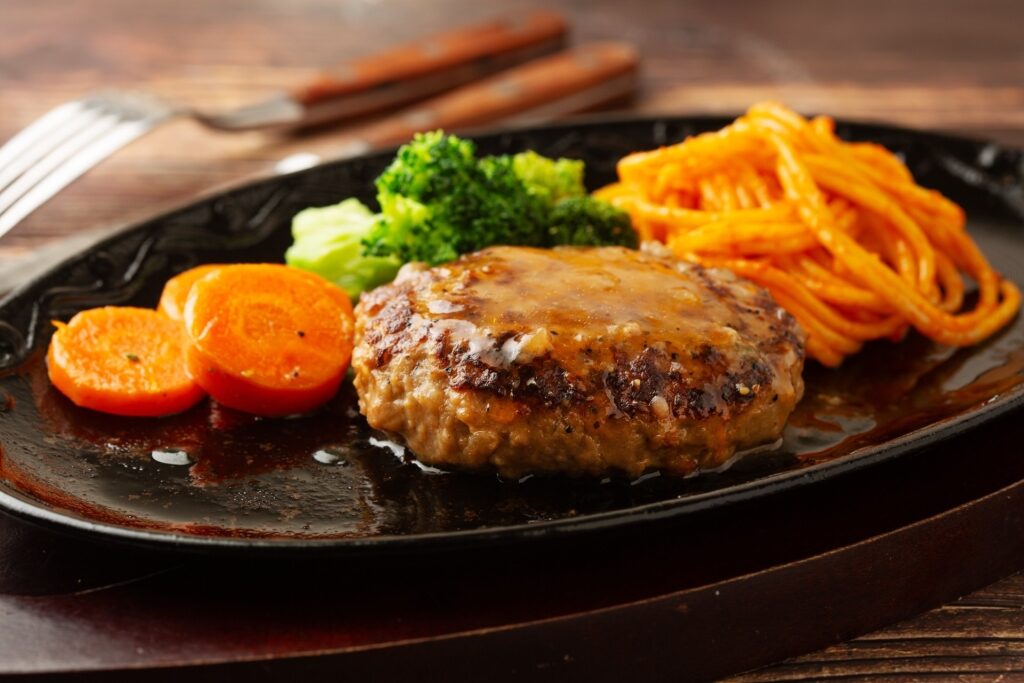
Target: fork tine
[
  {"x": 57, "y": 155},
  {"x": 65, "y": 164},
  {"x": 37, "y": 153},
  {"x": 45, "y": 133}
]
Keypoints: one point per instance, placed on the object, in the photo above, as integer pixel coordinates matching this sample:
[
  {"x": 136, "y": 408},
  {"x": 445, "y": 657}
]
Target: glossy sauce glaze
[{"x": 528, "y": 296}]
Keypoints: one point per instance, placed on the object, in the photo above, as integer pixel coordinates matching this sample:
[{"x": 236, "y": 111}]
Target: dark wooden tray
[{"x": 682, "y": 601}]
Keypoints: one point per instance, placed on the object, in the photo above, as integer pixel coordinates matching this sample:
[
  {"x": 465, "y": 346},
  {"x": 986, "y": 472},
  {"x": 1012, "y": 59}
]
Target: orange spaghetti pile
[{"x": 839, "y": 232}]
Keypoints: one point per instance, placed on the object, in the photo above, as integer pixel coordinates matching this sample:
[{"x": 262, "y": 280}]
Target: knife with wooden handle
[
  {"x": 412, "y": 71},
  {"x": 576, "y": 80}
]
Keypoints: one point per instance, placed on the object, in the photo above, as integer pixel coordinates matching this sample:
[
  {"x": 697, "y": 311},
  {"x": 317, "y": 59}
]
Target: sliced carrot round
[
  {"x": 121, "y": 360},
  {"x": 172, "y": 299},
  {"x": 268, "y": 339}
]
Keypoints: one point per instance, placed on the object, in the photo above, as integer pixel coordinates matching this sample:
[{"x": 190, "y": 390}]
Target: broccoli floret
[
  {"x": 438, "y": 201},
  {"x": 586, "y": 221},
  {"x": 549, "y": 179}
]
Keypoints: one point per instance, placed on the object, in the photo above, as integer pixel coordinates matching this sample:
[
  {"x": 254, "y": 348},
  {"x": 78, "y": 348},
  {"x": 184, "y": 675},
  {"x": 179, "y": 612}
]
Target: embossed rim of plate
[{"x": 34, "y": 510}]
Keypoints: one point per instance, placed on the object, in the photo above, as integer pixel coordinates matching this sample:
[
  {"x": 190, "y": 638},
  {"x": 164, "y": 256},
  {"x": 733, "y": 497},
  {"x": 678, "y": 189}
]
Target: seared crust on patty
[{"x": 577, "y": 360}]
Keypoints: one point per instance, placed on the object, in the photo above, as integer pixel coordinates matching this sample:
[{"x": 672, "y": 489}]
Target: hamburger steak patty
[{"x": 576, "y": 360}]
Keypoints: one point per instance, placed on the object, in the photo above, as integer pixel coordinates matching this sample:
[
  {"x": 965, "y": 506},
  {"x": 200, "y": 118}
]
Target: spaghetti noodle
[{"x": 838, "y": 232}]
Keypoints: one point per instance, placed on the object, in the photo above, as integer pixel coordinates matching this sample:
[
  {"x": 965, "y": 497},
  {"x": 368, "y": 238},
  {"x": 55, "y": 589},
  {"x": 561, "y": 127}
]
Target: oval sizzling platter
[{"x": 215, "y": 479}]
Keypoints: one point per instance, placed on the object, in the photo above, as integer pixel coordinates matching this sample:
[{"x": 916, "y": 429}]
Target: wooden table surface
[{"x": 953, "y": 66}]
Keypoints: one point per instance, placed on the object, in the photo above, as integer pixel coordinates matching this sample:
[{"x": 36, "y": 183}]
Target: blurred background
[{"x": 953, "y": 66}]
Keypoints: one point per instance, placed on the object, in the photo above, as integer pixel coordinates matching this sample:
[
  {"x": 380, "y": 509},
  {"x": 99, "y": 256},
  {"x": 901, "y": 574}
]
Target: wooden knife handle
[
  {"x": 433, "y": 64},
  {"x": 566, "y": 76}
]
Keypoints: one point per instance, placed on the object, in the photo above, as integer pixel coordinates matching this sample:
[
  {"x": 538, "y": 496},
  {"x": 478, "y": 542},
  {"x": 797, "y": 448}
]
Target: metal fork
[{"x": 67, "y": 141}]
